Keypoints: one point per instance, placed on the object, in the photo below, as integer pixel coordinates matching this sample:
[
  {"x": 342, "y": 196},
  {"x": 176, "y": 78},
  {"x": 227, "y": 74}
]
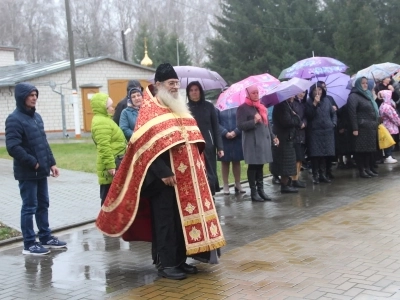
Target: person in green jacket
[{"x": 109, "y": 139}]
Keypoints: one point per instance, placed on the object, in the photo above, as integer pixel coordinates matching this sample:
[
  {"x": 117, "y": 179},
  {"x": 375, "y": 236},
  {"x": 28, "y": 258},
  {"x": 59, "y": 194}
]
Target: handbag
[{"x": 385, "y": 139}]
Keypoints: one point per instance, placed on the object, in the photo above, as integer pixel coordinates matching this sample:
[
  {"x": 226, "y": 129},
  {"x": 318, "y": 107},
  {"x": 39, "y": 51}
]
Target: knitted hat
[
  {"x": 164, "y": 72},
  {"x": 132, "y": 91}
]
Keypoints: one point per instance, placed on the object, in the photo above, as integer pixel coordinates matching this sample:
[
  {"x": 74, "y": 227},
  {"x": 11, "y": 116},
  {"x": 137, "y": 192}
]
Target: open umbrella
[
  {"x": 379, "y": 71},
  {"x": 236, "y": 93},
  {"x": 314, "y": 66},
  {"x": 285, "y": 90},
  {"x": 208, "y": 79},
  {"x": 336, "y": 85}
]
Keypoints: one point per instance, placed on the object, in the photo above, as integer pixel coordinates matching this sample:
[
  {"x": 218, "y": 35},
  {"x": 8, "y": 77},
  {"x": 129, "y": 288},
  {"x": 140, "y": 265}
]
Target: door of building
[
  {"x": 87, "y": 94},
  {"x": 117, "y": 88}
]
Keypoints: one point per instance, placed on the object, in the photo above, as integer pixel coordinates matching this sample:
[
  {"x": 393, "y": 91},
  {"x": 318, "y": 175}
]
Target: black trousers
[
  {"x": 104, "y": 188},
  {"x": 318, "y": 165},
  {"x": 168, "y": 246},
  {"x": 363, "y": 160}
]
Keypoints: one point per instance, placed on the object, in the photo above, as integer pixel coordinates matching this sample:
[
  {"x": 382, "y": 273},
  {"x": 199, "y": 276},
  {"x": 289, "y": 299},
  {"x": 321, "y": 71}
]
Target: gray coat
[{"x": 256, "y": 138}]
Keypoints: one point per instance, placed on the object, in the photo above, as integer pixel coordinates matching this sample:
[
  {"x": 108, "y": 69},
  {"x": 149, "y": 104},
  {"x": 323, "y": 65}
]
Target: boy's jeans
[{"x": 35, "y": 201}]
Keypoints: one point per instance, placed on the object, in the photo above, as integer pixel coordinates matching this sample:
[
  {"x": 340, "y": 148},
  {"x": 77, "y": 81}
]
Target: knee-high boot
[
  {"x": 260, "y": 185},
  {"x": 322, "y": 173},
  {"x": 251, "y": 177}
]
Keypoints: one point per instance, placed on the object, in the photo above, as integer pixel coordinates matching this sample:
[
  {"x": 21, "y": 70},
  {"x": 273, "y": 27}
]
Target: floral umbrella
[
  {"x": 285, "y": 90},
  {"x": 379, "y": 71},
  {"x": 236, "y": 93},
  {"x": 313, "y": 67}
]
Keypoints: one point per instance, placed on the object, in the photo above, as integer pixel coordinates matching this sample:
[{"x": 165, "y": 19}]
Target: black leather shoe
[
  {"x": 276, "y": 180},
  {"x": 298, "y": 184},
  {"x": 364, "y": 175},
  {"x": 373, "y": 170},
  {"x": 370, "y": 173},
  {"x": 329, "y": 175},
  {"x": 323, "y": 178},
  {"x": 315, "y": 179},
  {"x": 237, "y": 191},
  {"x": 286, "y": 189},
  {"x": 172, "y": 273},
  {"x": 188, "y": 269}
]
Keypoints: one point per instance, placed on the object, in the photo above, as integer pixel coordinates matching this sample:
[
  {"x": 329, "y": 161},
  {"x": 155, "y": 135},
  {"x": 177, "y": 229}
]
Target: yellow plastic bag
[{"x": 384, "y": 137}]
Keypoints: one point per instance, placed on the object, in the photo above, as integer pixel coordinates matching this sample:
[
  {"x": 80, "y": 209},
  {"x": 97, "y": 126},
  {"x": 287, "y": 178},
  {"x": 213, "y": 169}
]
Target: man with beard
[{"x": 163, "y": 169}]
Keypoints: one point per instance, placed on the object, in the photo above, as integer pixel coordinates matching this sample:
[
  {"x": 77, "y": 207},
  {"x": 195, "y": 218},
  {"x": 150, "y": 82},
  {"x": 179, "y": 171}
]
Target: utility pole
[
  {"x": 70, "y": 44},
  {"x": 177, "y": 51},
  {"x": 74, "y": 96},
  {"x": 123, "y": 45}
]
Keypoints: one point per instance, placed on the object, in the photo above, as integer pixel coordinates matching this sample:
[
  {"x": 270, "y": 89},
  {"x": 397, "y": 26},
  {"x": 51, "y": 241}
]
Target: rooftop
[{"x": 11, "y": 75}]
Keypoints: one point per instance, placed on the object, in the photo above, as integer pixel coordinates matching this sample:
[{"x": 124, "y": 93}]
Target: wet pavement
[
  {"x": 74, "y": 198},
  {"x": 330, "y": 241}
]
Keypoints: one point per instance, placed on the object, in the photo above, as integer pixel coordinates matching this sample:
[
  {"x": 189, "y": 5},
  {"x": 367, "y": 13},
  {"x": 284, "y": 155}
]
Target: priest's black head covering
[{"x": 164, "y": 72}]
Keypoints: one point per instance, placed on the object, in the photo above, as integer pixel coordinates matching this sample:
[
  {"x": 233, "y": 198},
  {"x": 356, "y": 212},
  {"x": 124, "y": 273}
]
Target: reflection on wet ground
[{"x": 96, "y": 267}]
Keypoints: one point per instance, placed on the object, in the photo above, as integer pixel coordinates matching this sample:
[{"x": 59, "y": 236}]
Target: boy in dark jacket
[{"x": 33, "y": 160}]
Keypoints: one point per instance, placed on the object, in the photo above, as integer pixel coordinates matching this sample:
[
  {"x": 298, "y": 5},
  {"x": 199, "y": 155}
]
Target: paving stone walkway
[
  {"x": 330, "y": 241},
  {"x": 74, "y": 198}
]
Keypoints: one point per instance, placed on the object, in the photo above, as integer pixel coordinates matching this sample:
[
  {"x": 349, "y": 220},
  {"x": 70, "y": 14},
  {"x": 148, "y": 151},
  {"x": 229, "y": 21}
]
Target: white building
[{"x": 97, "y": 74}]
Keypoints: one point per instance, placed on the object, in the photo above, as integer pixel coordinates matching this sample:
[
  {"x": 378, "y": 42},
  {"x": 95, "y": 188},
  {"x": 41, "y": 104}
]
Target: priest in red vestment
[{"x": 163, "y": 170}]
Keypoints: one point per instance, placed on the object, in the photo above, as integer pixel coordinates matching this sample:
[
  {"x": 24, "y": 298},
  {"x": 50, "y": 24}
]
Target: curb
[{"x": 58, "y": 229}]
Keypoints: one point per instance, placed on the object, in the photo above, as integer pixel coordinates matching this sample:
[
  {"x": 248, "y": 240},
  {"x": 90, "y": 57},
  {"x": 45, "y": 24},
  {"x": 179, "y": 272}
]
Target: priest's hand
[
  {"x": 220, "y": 153},
  {"x": 171, "y": 181}
]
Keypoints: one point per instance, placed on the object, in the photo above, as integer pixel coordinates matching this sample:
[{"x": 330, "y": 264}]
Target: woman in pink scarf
[
  {"x": 257, "y": 139},
  {"x": 391, "y": 121}
]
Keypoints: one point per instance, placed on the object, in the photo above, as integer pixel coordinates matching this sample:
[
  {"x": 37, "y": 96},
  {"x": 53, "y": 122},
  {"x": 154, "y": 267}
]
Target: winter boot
[
  {"x": 251, "y": 176},
  {"x": 260, "y": 185}
]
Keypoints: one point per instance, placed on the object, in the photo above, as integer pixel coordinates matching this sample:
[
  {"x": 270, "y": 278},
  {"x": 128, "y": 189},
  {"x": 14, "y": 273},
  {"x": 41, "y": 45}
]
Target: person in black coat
[
  {"x": 123, "y": 103},
  {"x": 27, "y": 144},
  {"x": 321, "y": 119},
  {"x": 343, "y": 138},
  {"x": 364, "y": 120},
  {"x": 286, "y": 122},
  {"x": 299, "y": 108},
  {"x": 206, "y": 118},
  {"x": 329, "y": 159}
]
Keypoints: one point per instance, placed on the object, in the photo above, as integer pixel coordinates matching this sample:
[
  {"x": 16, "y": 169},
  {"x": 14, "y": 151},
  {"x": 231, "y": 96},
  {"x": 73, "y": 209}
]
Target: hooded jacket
[
  {"x": 206, "y": 118},
  {"x": 108, "y": 137},
  {"x": 207, "y": 121},
  {"x": 123, "y": 103},
  {"x": 389, "y": 115},
  {"x": 26, "y": 140}
]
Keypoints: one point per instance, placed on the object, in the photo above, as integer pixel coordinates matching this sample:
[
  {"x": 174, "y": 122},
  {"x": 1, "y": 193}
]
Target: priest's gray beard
[{"x": 173, "y": 100}]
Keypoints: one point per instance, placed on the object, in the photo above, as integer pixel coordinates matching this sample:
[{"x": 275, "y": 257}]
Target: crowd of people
[{"x": 157, "y": 156}]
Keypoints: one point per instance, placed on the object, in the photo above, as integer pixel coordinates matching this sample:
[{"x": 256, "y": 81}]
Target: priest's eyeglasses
[{"x": 173, "y": 83}]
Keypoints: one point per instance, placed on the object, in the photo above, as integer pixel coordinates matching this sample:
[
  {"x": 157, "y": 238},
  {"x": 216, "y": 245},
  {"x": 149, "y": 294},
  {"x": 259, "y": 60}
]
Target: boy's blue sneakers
[
  {"x": 36, "y": 249},
  {"x": 54, "y": 243}
]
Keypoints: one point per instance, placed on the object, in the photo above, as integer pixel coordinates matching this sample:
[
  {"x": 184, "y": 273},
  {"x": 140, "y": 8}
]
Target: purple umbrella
[
  {"x": 312, "y": 67},
  {"x": 209, "y": 80},
  {"x": 336, "y": 85},
  {"x": 285, "y": 90}
]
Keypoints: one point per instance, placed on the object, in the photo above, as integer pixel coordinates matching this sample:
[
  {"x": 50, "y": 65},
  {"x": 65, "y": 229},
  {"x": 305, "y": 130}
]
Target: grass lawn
[
  {"x": 82, "y": 157},
  {"x": 7, "y": 232}
]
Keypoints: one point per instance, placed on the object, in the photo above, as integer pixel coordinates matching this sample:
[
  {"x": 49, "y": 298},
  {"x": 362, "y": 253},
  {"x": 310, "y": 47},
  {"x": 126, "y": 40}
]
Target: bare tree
[{"x": 38, "y": 27}]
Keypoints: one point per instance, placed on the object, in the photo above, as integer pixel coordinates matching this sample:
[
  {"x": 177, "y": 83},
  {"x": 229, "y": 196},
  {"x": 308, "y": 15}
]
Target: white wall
[
  {"x": 49, "y": 103},
  {"x": 7, "y": 58}
]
